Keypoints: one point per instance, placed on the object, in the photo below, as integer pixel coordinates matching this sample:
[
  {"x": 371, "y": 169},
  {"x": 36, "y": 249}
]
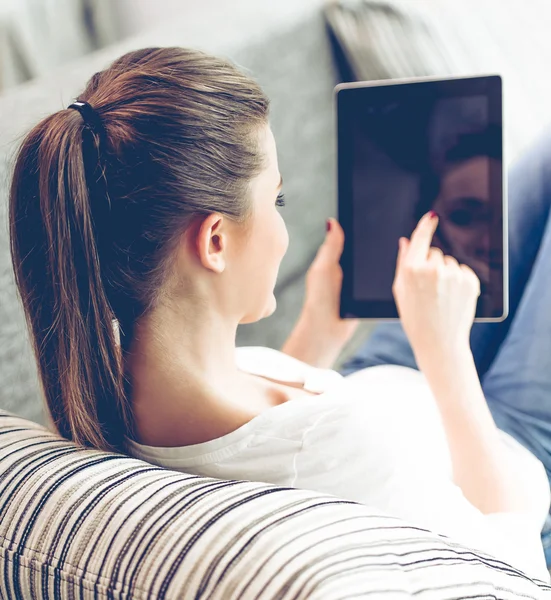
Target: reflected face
[{"x": 468, "y": 222}]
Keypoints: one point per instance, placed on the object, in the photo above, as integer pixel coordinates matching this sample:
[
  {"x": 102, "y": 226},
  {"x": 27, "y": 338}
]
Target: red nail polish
[
  {"x": 328, "y": 224},
  {"x": 432, "y": 214}
]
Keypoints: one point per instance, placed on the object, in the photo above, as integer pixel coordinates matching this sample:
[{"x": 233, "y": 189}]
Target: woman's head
[
  {"x": 234, "y": 266},
  {"x": 168, "y": 205}
]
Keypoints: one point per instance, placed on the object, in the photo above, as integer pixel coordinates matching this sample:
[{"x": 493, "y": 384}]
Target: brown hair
[{"x": 94, "y": 222}]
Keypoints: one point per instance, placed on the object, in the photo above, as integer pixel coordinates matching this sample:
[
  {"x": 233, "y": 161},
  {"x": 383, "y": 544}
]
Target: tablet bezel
[{"x": 490, "y": 85}]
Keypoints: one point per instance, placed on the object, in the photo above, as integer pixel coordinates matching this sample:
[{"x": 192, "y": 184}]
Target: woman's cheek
[{"x": 283, "y": 236}]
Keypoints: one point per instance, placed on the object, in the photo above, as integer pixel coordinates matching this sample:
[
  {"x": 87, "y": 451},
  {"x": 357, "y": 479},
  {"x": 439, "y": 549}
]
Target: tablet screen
[{"x": 405, "y": 149}]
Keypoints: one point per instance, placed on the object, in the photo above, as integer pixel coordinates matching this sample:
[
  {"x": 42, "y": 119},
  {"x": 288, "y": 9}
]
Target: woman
[{"x": 156, "y": 208}]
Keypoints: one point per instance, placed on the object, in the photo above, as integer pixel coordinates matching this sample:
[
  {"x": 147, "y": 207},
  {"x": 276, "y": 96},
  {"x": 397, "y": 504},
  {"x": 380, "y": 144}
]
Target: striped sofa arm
[{"x": 85, "y": 524}]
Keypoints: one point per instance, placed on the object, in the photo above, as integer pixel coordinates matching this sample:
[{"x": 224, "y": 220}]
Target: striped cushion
[{"x": 90, "y": 524}]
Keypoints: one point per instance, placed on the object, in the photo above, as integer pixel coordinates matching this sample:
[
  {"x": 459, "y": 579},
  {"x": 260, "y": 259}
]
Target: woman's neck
[{"x": 186, "y": 386}]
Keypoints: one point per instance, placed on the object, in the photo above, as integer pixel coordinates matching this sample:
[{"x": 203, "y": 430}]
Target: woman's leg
[
  {"x": 517, "y": 386},
  {"x": 529, "y": 200}
]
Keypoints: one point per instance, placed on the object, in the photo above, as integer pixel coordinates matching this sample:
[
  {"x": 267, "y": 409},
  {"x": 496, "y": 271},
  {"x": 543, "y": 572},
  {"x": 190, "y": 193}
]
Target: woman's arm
[
  {"x": 480, "y": 462},
  {"x": 436, "y": 299},
  {"x": 313, "y": 342}
]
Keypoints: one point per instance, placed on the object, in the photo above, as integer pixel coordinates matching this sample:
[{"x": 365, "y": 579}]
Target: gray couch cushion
[
  {"x": 392, "y": 39},
  {"x": 85, "y": 524}
]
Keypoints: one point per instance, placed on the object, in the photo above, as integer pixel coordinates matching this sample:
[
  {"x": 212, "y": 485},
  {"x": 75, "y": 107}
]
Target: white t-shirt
[{"x": 374, "y": 437}]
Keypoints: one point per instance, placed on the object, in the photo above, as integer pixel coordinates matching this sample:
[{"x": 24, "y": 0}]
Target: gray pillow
[{"x": 381, "y": 41}]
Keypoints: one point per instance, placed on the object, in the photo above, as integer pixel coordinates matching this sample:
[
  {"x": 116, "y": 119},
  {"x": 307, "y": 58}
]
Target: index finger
[{"x": 421, "y": 237}]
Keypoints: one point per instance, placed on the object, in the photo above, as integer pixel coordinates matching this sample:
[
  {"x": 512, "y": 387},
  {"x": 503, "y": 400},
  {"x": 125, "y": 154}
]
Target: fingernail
[
  {"x": 432, "y": 214},
  {"x": 328, "y": 224}
]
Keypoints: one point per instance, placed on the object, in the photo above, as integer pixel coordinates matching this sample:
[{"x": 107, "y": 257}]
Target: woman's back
[{"x": 373, "y": 437}]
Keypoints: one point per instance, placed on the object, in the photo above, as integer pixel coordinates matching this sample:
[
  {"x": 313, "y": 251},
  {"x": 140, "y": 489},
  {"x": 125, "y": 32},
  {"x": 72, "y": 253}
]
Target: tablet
[{"x": 408, "y": 146}]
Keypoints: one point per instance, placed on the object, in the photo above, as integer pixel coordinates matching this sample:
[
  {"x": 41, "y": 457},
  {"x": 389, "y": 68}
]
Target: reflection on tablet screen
[{"x": 439, "y": 153}]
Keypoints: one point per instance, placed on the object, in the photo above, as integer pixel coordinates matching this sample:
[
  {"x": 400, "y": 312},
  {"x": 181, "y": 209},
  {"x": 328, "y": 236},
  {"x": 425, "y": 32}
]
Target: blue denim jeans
[{"x": 513, "y": 358}]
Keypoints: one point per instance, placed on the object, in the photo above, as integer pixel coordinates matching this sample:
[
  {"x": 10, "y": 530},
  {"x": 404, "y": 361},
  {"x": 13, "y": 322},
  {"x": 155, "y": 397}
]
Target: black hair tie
[
  {"x": 94, "y": 174},
  {"x": 90, "y": 116}
]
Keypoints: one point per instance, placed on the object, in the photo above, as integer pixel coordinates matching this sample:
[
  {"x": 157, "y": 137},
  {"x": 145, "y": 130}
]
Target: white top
[{"x": 374, "y": 437}]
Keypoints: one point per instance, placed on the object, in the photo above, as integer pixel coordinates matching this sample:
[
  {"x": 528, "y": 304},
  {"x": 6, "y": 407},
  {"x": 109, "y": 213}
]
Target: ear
[{"x": 211, "y": 243}]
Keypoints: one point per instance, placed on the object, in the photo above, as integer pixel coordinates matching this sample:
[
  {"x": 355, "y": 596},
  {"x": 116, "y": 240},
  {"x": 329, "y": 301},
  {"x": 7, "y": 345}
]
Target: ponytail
[
  {"x": 55, "y": 253},
  {"x": 96, "y": 218}
]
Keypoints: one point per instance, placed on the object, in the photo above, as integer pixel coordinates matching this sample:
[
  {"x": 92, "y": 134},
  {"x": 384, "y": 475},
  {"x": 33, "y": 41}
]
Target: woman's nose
[{"x": 483, "y": 244}]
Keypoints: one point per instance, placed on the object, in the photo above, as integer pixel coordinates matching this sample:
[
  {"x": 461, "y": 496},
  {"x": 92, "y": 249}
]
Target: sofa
[
  {"x": 90, "y": 524},
  {"x": 95, "y": 525}
]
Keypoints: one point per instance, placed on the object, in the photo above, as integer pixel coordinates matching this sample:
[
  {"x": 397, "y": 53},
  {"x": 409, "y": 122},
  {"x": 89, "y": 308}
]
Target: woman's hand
[
  {"x": 320, "y": 333},
  {"x": 323, "y": 286},
  {"x": 436, "y": 296}
]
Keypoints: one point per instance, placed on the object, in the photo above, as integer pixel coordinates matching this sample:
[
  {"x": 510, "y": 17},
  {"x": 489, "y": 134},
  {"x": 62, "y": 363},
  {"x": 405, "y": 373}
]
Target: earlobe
[{"x": 211, "y": 244}]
